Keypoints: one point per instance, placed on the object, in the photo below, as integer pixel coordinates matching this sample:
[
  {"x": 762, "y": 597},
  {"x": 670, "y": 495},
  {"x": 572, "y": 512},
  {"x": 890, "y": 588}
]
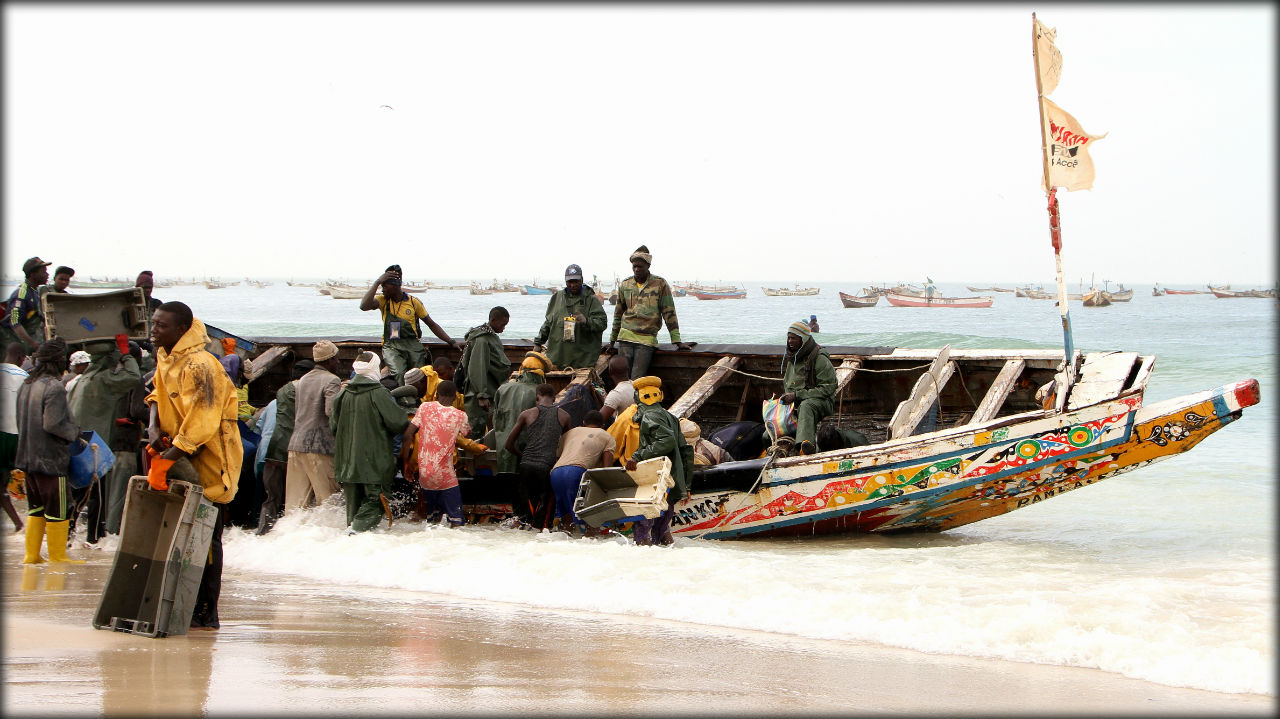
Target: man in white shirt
[
  {"x": 623, "y": 394},
  {"x": 11, "y": 377}
]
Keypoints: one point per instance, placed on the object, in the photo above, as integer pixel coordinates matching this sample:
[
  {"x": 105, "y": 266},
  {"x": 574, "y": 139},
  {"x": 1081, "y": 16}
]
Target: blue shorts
[
  {"x": 564, "y": 485},
  {"x": 448, "y": 501}
]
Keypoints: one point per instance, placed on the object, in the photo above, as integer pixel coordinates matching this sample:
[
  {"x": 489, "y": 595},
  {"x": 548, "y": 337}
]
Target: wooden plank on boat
[
  {"x": 706, "y": 386},
  {"x": 845, "y": 371},
  {"x": 1102, "y": 376},
  {"x": 999, "y": 392},
  {"x": 258, "y": 365},
  {"x": 913, "y": 409}
]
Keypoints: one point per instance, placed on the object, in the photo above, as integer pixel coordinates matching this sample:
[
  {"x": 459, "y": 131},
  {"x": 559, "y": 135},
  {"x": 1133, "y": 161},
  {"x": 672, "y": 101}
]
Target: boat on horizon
[
  {"x": 852, "y": 301},
  {"x": 720, "y": 295},
  {"x": 898, "y": 300},
  {"x": 784, "y": 292}
]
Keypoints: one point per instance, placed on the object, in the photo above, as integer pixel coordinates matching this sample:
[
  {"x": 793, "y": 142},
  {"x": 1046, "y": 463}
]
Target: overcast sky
[{"x": 738, "y": 142}]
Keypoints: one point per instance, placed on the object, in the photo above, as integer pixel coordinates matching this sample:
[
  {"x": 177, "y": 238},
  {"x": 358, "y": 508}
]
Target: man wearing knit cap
[
  {"x": 146, "y": 280},
  {"x": 309, "y": 473},
  {"x": 364, "y": 423},
  {"x": 401, "y": 334},
  {"x": 809, "y": 381},
  {"x": 644, "y": 303},
  {"x": 512, "y": 398},
  {"x": 574, "y": 324}
]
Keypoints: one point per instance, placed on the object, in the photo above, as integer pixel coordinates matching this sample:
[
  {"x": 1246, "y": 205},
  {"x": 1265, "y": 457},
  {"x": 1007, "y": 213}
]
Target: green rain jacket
[
  {"x": 660, "y": 436},
  {"x": 486, "y": 362},
  {"x": 809, "y": 373},
  {"x": 513, "y": 398},
  {"x": 278, "y": 448},
  {"x": 364, "y": 422},
  {"x": 584, "y": 350},
  {"x": 93, "y": 400}
]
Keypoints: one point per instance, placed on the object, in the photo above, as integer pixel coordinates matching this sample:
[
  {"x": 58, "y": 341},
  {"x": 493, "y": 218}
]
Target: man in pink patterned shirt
[{"x": 439, "y": 427}]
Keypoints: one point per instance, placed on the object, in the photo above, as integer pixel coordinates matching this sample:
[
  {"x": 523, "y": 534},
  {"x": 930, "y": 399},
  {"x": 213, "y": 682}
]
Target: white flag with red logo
[{"x": 1067, "y": 146}]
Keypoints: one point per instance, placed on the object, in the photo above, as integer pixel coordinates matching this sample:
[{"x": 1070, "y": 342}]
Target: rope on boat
[{"x": 860, "y": 369}]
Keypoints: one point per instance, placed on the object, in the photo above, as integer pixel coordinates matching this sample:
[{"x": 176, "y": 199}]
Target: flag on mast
[
  {"x": 1067, "y": 148},
  {"x": 1050, "y": 64}
]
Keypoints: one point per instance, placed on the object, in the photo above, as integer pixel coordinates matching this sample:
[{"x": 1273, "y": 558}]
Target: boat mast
[{"x": 1055, "y": 230}]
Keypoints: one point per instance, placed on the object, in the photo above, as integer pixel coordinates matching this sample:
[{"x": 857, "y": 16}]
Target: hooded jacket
[
  {"x": 584, "y": 349},
  {"x": 93, "y": 400},
  {"x": 660, "y": 436},
  {"x": 510, "y": 400},
  {"x": 196, "y": 407},
  {"x": 364, "y": 421},
  {"x": 486, "y": 362},
  {"x": 809, "y": 373}
]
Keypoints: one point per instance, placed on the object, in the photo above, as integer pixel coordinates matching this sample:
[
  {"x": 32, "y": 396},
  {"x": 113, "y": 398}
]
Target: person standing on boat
[
  {"x": 193, "y": 418},
  {"x": 61, "y": 279},
  {"x": 513, "y": 398},
  {"x": 808, "y": 381},
  {"x": 22, "y": 321},
  {"x": 484, "y": 368},
  {"x": 645, "y": 302},
  {"x": 309, "y": 475},
  {"x": 574, "y": 324},
  {"x": 541, "y": 425},
  {"x": 813, "y": 324},
  {"x": 364, "y": 423},
  {"x": 660, "y": 436},
  {"x": 402, "y": 346}
]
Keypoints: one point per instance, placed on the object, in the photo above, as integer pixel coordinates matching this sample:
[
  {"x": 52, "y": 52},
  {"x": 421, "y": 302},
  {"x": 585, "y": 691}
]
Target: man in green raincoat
[
  {"x": 364, "y": 422},
  {"x": 484, "y": 368},
  {"x": 660, "y": 436},
  {"x": 112, "y": 372},
  {"x": 513, "y": 398},
  {"x": 808, "y": 380},
  {"x": 574, "y": 325}
]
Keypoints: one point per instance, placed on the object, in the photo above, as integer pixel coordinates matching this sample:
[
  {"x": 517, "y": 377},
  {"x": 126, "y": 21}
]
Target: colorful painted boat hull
[
  {"x": 898, "y": 300},
  {"x": 949, "y": 479}
]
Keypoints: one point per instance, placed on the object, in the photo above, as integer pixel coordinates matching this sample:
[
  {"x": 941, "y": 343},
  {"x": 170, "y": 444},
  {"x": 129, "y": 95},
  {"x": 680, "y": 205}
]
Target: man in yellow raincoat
[{"x": 193, "y": 417}]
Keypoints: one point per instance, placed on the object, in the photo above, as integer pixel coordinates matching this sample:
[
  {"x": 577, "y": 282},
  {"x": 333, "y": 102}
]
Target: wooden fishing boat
[
  {"x": 784, "y": 292},
  {"x": 480, "y": 290},
  {"x": 859, "y": 301},
  {"x": 1096, "y": 298},
  {"x": 991, "y": 447},
  {"x": 1168, "y": 291},
  {"x": 95, "y": 284},
  {"x": 1122, "y": 294},
  {"x": 346, "y": 293},
  {"x": 1158, "y": 291},
  {"x": 1226, "y": 294},
  {"x": 214, "y": 285},
  {"x": 1002, "y": 289},
  {"x": 898, "y": 300},
  {"x": 720, "y": 295},
  {"x": 535, "y": 290}
]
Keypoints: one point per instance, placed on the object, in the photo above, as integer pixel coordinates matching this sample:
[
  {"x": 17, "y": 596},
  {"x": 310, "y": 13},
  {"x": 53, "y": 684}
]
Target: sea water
[{"x": 1164, "y": 574}]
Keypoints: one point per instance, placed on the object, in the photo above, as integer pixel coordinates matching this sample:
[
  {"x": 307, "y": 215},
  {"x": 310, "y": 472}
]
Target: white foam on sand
[{"x": 1186, "y": 625}]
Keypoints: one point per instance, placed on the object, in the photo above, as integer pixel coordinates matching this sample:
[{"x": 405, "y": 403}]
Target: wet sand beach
[{"x": 291, "y": 647}]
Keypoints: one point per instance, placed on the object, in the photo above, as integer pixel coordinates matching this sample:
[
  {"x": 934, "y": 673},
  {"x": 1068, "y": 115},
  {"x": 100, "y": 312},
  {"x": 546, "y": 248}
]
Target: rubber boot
[
  {"x": 57, "y": 534},
  {"x": 35, "y": 536}
]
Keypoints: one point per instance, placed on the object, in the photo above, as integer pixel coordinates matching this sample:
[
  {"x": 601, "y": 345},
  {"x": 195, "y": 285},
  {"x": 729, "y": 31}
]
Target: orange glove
[{"x": 157, "y": 476}]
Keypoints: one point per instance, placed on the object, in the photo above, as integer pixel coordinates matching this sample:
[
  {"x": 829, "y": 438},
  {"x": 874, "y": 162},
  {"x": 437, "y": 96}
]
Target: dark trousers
[
  {"x": 656, "y": 530},
  {"x": 637, "y": 356},
  {"x": 95, "y": 513},
  {"x": 534, "y": 503},
  {"x": 206, "y": 610},
  {"x": 273, "y": 474}
]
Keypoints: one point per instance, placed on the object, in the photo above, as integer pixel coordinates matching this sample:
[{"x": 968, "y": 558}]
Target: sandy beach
[{"x": 287, "y": 647}]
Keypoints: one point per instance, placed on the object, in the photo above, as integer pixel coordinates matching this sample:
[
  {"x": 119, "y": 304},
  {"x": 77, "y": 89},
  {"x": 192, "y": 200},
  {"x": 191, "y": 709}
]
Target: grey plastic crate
[
  {"x": 609, "y": 494},
  {"x": 86, "y": 317},
  {"x": 164, "y": 545}
]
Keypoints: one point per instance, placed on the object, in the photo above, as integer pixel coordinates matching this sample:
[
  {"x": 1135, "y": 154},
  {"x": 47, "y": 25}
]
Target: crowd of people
[{"x": 169, "y": 408}]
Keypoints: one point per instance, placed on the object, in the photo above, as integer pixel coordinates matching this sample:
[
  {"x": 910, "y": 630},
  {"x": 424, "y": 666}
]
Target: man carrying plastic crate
[
  {"x": 660, "y": 436},
  {"x": 193, "y": 417}
]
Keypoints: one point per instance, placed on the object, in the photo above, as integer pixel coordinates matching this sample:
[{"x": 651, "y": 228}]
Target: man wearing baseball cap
[
  {"x": 22, "y": 322},
  {"x": 574, "y": 324}
]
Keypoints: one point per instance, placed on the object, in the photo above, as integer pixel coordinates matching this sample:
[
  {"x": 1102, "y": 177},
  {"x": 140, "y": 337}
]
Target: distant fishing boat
[
  {"x": 1096, "y": 298},
  {"x": 898, "y": 300},
  {"x": 214, "y": 285},
  {"x": 1225, "y": 293},
  {"x": 784, "y": 292},
  {"x": 346, "y": 293},
  {"x": 535, "y": 290},
  {"x": 859, "y": 300},
  {"x": 729, "y": 295},
  {"x": 971, "y": 288}
]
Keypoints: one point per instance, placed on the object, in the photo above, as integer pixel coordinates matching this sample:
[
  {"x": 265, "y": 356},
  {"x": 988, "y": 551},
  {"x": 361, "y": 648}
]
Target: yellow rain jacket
[
  {"x": 196, "y": 407},
  {"x": 433, "y": 381},
  {"x": 625, "y": 431}
]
